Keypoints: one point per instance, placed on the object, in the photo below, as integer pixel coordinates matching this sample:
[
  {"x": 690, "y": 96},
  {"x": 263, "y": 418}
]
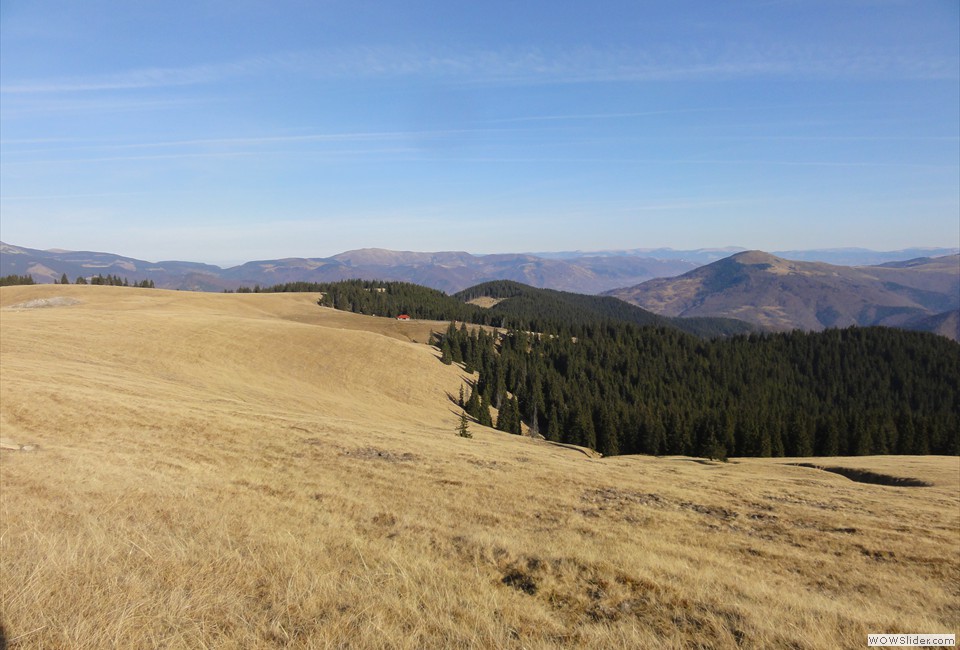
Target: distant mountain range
[
  {"x": 451, "y": 271},
  {"x": 779, "y": 294},
  {"x": 701, "y": 256},
  {"x": 447, "y": 271},
  {"x": 763, "y": 289}
]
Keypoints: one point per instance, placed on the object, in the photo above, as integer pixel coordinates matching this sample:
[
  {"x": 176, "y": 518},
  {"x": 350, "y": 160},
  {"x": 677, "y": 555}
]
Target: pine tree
[
  {"x": 456, "y": 343},
  {"x": 607, "y": 432},
  {"x": 515, "y": 424},
  {"x": 553, "y": 425},
  {"x": 499, "y": 387},
  {"x": 581, "y": 429},
  {"x": 463, "y": 428},
  {"x": 508, "y": 419},
  {"x": 828, "y": 434},
  {"x": 445, "y": 355},
  {"x": 715, "y": 449},
  {"x": 473, "y": 403},
  {"x": 484, "y": 417}
]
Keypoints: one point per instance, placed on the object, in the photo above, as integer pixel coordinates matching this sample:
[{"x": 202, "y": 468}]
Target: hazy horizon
[
  {"x": 212, "y": 132},
  {"x": 558, "y": 254}
]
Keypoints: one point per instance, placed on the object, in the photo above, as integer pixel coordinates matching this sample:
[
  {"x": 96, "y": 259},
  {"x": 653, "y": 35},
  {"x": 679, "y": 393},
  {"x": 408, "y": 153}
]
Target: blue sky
[{"x": 229, "y": 131}]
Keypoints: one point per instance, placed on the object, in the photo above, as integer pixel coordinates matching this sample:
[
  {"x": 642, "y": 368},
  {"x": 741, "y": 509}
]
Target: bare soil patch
[
  {"x": 372, "y": 453},
  {"x": 485, "y": 302},
  {"x": 41, "y": 303}
]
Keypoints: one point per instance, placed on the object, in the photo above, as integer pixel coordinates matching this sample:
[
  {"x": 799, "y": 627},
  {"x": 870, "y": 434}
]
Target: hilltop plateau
[{"x": 251, "y": 470}]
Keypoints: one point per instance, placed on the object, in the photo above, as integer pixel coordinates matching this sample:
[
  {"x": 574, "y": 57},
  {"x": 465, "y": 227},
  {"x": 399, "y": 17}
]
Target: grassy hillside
[{"x": 204, "y": 470}]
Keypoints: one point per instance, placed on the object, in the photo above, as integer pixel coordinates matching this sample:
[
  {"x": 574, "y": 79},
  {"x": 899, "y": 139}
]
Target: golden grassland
[{"x": 251, "y": 470}]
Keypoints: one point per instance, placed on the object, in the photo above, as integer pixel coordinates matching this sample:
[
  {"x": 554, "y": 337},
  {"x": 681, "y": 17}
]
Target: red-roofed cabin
[{"x": 403, "y": 317}]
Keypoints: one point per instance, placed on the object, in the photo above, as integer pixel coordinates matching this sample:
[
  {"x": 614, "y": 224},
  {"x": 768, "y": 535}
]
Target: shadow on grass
[{"x": 866, "y": 476}]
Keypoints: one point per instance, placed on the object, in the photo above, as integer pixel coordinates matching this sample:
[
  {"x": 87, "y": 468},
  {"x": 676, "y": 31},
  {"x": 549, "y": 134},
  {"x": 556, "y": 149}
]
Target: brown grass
[
  {"x": 486, "y": 302},
  {"x": 250, "y": 470}
]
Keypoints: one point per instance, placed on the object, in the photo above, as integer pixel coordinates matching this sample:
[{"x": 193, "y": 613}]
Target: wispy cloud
[
  {"x": 18, "y": 151},
  {"x": 337, "y": 156},
  {"x": 598, "y": 64},
  {"x": 528, "y": 65},
  {"x": 25, "y": 105},
  {"x": 141, "y": 78},
  {"x": 49, "y": 197}
]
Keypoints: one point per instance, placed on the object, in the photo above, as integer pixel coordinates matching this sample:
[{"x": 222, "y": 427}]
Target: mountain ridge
[
  {"x": 781, "y": 294},
  {"x": 592, "y": 272},
  {"x": 448, "y": 271}
]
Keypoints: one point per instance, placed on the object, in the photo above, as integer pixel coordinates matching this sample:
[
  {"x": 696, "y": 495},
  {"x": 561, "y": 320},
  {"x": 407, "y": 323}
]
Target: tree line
[
  {"x": 99, "y": 279},
  {"x": 623, "y": 389},
  {"x": 604, "y": 380},
  {"x": 392, "y": 299},
  {"x": 13, "y": 280},
  {"x": 112, "y": 281},
  {"x": 519, "y": 306}
]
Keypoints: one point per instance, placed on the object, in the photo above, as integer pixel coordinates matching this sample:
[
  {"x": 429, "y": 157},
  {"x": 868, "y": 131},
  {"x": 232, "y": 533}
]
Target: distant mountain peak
[
  {"x": 781, "y": 294},
  {"x": 756, "y": 257}
]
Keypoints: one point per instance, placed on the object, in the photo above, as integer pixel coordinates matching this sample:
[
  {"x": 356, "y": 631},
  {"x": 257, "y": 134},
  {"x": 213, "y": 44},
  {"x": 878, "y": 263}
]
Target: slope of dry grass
[{"x": 250, "y": 470}]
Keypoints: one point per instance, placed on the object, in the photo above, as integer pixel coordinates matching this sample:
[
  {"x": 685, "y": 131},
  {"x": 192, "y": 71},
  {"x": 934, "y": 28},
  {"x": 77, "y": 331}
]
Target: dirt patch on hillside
[
  {"x": 485, "y": 302},
  {"x": 9, "y": 445},
  {"x": 372, "y": 453},
  {"x": 40, "y": 303}
]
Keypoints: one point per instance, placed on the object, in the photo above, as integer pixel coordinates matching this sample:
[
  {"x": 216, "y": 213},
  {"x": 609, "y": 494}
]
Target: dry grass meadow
[{"x": 188, "y": 470}]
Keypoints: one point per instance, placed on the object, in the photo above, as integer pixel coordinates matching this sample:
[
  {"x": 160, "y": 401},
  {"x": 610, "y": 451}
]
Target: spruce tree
[
  {"x": 445, "y": 355},
  {"x": 553, "y": 425},
  {"x": 484, "y": 414},
  {"x": 515, "y": 423},
  {"x": 508, "y": 419},
  {"x": 473, "y": 403},
  {"x": 463, "y": 428}
]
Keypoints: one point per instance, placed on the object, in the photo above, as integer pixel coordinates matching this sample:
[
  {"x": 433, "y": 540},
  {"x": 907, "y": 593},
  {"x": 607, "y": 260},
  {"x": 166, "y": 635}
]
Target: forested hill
[
  {"x": 623, "y": 389},
  {"x": 538, "y": 309},
  {"x": 518, "y": 306},
  {"x": 593, "y": 375},
  {"x": 392, "y": 299}
]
